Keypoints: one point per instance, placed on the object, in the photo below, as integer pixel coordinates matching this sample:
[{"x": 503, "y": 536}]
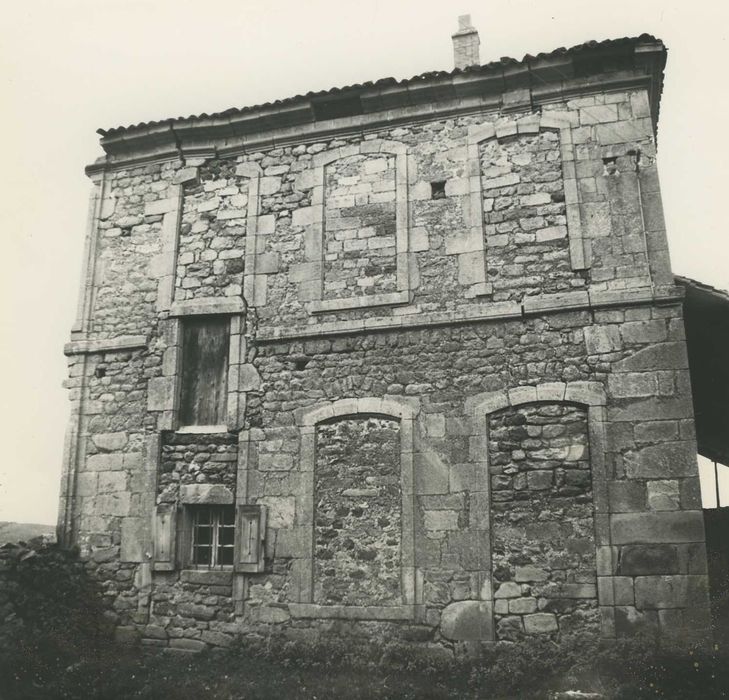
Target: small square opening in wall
[{"x": 437, "y": 189}]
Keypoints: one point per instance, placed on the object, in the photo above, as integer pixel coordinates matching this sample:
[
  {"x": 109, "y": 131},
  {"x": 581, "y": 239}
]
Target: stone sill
[
  {"x": 353, "y": 612},
  {"x": 364, "y": 302},
  {"x": 201, "y": 429},
  {"x": 209, "y": 577}
]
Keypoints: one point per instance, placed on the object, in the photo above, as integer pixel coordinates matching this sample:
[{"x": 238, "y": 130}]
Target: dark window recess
[
  {"x": 126, "y": 231},
  {"x": 213, "y": 536},
  {"x": 100, "y": 372},
  {"x": 611, "y": 165},
  {"x": 203, "y": 393},
  {"x": 332, "y": 108},
  {"x": 300, "y": 363},
  {"x": 437, "y": 190}
]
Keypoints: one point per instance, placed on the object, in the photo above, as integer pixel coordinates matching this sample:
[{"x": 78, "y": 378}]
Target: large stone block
[
  {"x": 646, "y": 559},
  {"x": 281, "y": 510},
  {"x": 653, "y": 592},
  {"x": 632, "y": 385},
  {"x": 105, "y": 462},
  {"x": 540, "y": 623},
  {"x": 602, "y": 339},
  {"x": 432, "y": 474},
  {"x": 110, "y": 442},
  {"x": 467, "y": 621},
  {"x": 205, "y": 493},
  {"x": 663, "y": 495},
  {"x": 118, "y": 503},
  {"x": 160, "y": 393},
  {"x": 663, "y": 461},
  {"x": 648, "y": 409},
  {"x": 626, "y": 496},
  {"x": 630, "y": 622},
  {"x": 112, "y": 482},
  {"x": 135, "y": 539},
  {"x": 438, "y": 520},
  {"x": 644, "y": 528},
  {"x": 643, "y": 332},
  {"x": 185, "y": 644},
  {"x": 662, "y": 356}
]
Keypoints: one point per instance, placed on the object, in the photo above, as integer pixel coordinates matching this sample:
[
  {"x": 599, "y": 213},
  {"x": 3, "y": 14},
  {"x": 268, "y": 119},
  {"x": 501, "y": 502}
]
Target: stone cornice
[{"x": 512, "y": 87}]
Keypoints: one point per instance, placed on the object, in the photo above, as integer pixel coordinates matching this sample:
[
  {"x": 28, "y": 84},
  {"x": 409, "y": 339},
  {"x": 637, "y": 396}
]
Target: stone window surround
[
  {"x": 405, "y": 412},
  {"x": 314, "y": 233},
  {"x": 529, "y": 125},
  {"x": 167, "y": 387},
  {"x": 584, "y": 393}
]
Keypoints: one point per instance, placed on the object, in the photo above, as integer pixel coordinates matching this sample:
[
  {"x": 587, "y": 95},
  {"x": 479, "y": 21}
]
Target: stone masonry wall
[
  {"x": 359, "y": 238},
  {"x": 542, "y": 521},
  {"x": 192, "y": 232},
  {"x": 210, "y": 259},
  {"x": 525, "y": 223},
  {"x": 196, "y": 459},
  {"x": 358, "y": 523},
  {"x": 191, "y": 610},
  {"x": 128, "y": 245}
]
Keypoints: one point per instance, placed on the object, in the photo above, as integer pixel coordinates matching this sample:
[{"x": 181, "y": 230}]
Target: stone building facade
[{"x": 403, "y": 361}]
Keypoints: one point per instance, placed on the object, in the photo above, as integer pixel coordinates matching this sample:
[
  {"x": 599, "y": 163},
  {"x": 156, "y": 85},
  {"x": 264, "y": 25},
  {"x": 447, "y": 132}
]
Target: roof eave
[{"x": 544, "y": 78}]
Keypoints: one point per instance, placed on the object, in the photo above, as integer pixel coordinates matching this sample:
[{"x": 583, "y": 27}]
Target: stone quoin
[{"x": 401, "y": 361}]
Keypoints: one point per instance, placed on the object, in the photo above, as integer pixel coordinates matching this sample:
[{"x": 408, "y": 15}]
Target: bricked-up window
[
  {"x": 203, "y": 393},
  {"x": 213, "y": 536}
]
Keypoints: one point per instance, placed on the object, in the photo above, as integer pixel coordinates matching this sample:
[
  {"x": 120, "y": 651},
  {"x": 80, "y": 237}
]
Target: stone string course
[{"x": 524, "y": 530}]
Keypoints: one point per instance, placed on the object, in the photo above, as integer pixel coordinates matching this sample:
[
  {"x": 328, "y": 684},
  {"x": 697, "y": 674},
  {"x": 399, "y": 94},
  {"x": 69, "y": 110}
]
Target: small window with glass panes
[{"x": 213, "y": 536}]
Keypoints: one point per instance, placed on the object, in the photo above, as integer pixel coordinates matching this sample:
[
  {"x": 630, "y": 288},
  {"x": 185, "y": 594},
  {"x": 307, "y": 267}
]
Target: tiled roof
[
  {"x": 607, "y": 46},
  {"x": 719, "y": 294}
]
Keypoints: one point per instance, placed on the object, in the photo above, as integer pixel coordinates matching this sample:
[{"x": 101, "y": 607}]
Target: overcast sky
[{"x": 69, "y": 67}]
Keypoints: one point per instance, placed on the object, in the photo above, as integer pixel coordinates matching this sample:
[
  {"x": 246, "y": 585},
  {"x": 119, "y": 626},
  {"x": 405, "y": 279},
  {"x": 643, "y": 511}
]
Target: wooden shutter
[
  {"x": 203, "y": 393},
  {"x": 165, "y": 521},
  {"x": 250, "y": 533}
]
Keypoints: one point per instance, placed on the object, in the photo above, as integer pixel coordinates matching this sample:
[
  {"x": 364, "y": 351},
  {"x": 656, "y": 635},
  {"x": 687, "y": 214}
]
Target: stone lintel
[
  {"x": 122, "y": 342},
  {"x": 208, "y": 306},
  {"x": 205, "y": 494}
]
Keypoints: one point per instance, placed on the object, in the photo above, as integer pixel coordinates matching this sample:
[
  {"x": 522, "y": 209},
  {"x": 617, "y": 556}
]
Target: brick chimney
[{"x": 465, "y": 44}]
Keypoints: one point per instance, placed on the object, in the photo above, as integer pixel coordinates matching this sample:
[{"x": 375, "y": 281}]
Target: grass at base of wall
[
  {"x": 537, "y": 669},
  {"x": 55, "y": 645}
]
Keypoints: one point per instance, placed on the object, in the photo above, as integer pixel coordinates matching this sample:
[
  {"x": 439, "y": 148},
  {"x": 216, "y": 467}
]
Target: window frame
[
  {"x": 217, "y": 514},
  {"x": 187, "y": 422},
  {"x": 173, "y": 537}
]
